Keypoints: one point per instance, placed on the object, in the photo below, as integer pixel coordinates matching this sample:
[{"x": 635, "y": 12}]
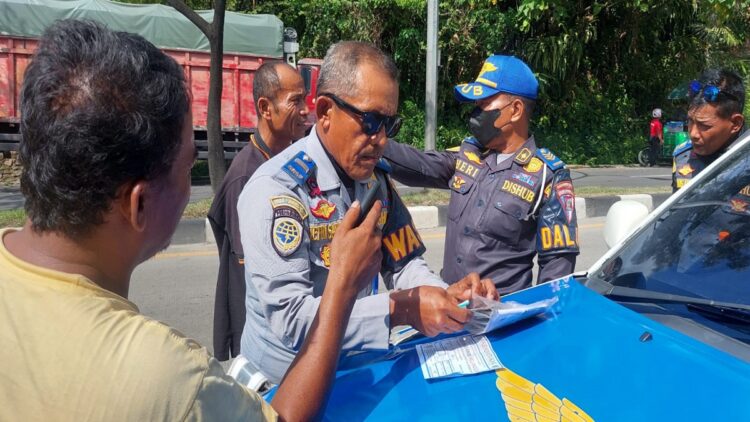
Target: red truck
[{"x": 178, "y": 38}]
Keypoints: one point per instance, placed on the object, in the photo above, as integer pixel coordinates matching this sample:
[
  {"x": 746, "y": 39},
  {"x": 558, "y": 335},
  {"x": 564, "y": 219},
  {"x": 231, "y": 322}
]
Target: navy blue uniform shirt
[{"x": 501, "y": 215}]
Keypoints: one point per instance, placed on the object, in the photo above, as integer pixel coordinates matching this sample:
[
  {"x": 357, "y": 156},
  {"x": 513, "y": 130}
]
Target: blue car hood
[{"x": 589, "y": 355}]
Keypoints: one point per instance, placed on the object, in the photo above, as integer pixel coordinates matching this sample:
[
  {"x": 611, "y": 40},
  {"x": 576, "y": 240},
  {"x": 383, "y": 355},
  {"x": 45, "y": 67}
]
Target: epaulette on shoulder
[
  {"x": 299, "y": 167},
  {"x": 382, "y": 164},
  {"x": 685, "y": 146},
  {"x": 550, "y": 159}
]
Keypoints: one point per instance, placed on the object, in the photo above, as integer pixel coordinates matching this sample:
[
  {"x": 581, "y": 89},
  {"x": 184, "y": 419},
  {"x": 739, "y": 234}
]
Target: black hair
[
  {"x": 99, "y": 109},
  {"x": 266, "y": 82},
  {"x": 730, "y": 100}
]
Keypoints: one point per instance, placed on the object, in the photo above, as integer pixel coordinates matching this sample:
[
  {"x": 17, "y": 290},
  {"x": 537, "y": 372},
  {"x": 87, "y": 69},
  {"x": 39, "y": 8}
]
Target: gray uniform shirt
[
  {"x": 502, "y": 213},
  {"x": 289, "y": 211}
]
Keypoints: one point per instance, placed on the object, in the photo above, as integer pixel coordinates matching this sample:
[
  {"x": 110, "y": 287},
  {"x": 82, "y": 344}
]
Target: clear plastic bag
[{"x": 489, "y": 315}]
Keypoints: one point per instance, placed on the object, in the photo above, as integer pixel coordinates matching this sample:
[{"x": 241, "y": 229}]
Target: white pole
[{"x": 430, "y": 129}]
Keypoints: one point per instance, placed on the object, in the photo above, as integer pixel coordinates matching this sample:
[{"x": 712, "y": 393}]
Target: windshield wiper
[
  {"x": 699, "y": 204},
  {"x": 629, "y": 294},
  {"x": 722, "y": 313}
]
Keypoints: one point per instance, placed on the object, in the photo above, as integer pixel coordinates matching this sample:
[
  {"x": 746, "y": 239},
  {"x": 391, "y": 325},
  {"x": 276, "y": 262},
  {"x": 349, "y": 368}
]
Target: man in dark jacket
[
  {"x": 279, "y": 95},
  {"x": 510, "y": 200}
]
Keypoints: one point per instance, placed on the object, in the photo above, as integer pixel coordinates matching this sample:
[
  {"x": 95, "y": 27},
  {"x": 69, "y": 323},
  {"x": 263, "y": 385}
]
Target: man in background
[
  {"x": 655, "y": 136},
  {"x": 279, "y": 94},
  {"x": 715, "y": 121}
]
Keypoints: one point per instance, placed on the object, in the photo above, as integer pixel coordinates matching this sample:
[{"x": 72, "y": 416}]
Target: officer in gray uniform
[
  {"x": 292, "y": 205},
  {"x": 510, "y": 200},
  {"x": 715, "y": 121}
]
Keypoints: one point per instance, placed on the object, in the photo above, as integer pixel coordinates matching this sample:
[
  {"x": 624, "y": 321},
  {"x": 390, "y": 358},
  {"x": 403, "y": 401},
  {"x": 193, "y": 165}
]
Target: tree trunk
[
  {"x": 216, "y": 163},
  {"x": 215, "y": 34}
]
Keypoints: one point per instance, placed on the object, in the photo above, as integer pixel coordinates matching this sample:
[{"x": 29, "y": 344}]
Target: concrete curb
[{"x": 429, "y": 217}]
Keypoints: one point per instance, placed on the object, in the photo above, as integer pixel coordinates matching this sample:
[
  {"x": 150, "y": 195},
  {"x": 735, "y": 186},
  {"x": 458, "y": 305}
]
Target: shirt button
[
  {"x": 458, "y": 259},
  {"x": 480, "y": 203},
  {"x": 498, "y": 204},
  {"x": 467, "y": 230},
  {"x": 518, "y": 214},
  {"x": 492, "y": 175}
]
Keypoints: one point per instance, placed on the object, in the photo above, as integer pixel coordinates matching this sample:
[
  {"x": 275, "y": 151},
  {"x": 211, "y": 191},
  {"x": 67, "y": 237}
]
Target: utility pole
[{"x": 430, "y": 100}]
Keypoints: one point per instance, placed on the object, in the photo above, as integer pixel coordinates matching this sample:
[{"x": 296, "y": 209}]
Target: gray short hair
[{"x": 340, "y": 69}]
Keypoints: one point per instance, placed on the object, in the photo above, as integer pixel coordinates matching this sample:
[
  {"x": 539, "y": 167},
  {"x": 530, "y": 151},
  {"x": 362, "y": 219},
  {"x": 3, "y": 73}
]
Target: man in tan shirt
[{"x": 107, "y": 151}]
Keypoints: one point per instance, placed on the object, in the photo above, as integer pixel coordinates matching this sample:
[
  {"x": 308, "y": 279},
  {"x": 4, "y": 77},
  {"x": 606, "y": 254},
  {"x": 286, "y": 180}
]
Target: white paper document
[{"x": 455, "y": 356}]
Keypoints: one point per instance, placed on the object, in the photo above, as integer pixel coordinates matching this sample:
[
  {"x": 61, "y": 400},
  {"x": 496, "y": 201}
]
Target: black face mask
[{"x": 482, "y": 125}]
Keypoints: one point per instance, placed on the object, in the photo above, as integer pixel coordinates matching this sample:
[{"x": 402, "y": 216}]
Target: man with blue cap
[{"x": 511, "y": 200}]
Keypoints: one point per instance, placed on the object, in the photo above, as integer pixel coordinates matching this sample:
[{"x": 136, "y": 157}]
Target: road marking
[{"x": 432, "y": 236}]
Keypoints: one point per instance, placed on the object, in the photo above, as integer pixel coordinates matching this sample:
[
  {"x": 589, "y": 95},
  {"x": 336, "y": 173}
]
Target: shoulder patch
[
  {"x": 523, "y": 156},
  {"x": 550, "y": 159},
  {"x": 473, "y": 157},
  {"x": 286, "y": 230},
  {"x": 685, "y": 146},
  {"x": 300, "y": 167},
  {"x": 382, "y": 164}
]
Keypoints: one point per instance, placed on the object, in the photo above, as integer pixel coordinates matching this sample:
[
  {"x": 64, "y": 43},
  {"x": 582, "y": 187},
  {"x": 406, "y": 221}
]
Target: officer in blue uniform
[
  {"x": 511, "y": 201},
  {"x": 290, "y": 210},
  {"x": 715, "y": 121}
]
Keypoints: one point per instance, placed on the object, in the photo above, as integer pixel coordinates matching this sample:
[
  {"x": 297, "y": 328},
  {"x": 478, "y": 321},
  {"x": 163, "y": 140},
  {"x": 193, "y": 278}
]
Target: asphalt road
[
  {"x": 11, "y": 198},
  {"x": 177, "y": 286},
  {"x": 621, "y": 176}
]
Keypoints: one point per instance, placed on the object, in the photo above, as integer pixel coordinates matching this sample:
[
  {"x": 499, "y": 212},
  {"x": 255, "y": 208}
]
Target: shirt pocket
[
  {"x": 504, "y": 218},
  {"x": 461, "y": 186}
]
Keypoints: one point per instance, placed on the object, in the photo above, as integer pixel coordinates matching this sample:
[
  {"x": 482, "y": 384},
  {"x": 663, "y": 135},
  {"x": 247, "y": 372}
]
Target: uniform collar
[
  {"x": 522, "y": 156},
  {"x": 260, "y": 144},
  {"x": 327, "y": 178}
]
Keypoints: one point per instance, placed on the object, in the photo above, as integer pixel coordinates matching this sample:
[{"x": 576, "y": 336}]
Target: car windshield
[{"x": 699, "y": 246}]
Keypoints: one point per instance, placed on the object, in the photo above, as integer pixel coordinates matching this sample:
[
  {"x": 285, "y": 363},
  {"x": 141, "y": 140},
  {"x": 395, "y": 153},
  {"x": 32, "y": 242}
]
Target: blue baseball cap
[{"x": 507, "y": 74}]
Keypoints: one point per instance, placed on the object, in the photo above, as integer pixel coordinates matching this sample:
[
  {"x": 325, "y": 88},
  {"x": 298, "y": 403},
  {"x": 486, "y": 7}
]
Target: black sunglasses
[
  {"x": 710, "y": 92},
  {"x": 372, "y": 121}
]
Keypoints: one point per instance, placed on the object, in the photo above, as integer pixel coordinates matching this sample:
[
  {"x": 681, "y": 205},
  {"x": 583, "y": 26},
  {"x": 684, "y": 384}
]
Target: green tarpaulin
[{"x": 258, "y": 35}]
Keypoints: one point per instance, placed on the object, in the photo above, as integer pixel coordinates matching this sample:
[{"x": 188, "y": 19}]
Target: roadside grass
[
  {"x": 589, "y": 191},
  {"x": 12, "y": 218},
  {"x": 16, "y": 218},
  {"x": 197, "y": 209},
  {"x": 428, "y": 197},
  {"x": 441, "y": 197}
]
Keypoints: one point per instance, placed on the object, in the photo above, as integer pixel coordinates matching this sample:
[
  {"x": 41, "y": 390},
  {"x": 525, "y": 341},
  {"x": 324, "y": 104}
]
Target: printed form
[{"x": 455, "y": 356}]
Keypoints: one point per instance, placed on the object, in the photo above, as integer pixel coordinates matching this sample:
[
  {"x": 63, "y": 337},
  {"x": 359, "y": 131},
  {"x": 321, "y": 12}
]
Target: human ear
[
  {"x": 738, "y": 120},
  {"x": 132, "y": 203},
  {"x": 517, "y": 110},
  {"x": 323, "y": 111},
  {"x": 265, "y": 108}
]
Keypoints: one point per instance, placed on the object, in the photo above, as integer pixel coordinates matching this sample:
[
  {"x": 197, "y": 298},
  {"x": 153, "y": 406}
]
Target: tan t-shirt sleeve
[{"x": 221, "y": 398}]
